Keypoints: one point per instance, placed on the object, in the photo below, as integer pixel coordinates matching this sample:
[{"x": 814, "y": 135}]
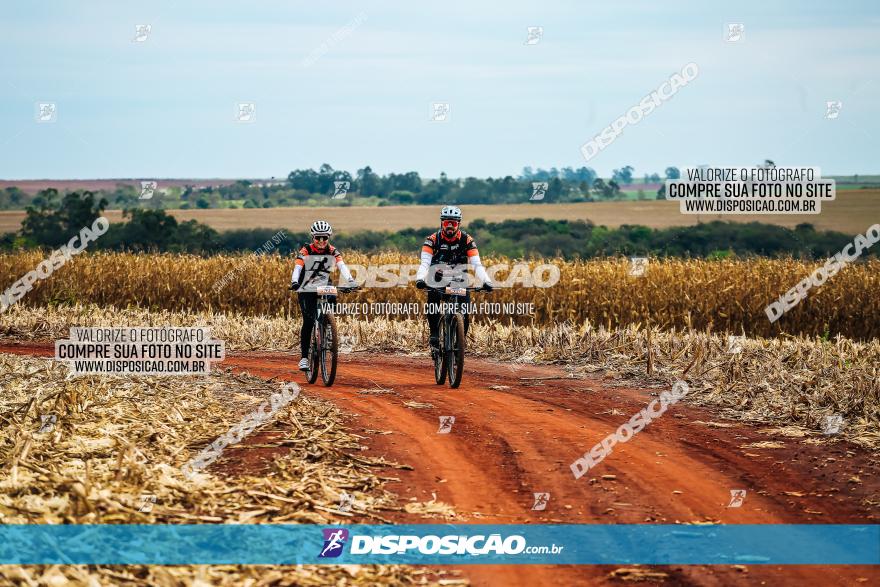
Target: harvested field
[
  {"x": 520, "y": 423},
  {"x": 105, "y": 450},
  {"x": 852, "y": 212},
  {"x": 774, "y": 382}
]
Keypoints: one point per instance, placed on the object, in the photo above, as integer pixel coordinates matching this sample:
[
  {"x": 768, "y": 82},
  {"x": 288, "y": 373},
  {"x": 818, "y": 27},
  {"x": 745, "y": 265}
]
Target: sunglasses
[
  {"x": 449, "y": 223},
  {"x": 322, "y": 238}
]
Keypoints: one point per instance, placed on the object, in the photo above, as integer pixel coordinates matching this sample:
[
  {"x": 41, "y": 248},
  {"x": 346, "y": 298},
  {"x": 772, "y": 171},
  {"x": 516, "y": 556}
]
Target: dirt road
[{"x": 517, "y": 429}]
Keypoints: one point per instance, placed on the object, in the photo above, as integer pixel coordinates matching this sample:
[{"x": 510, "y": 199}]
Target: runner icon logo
[
  {"x": 539, "y": 190},
  {"x": 638, "y": 266},
  {"x": 735, "y": 32},
  {"x": 148, "y": 500},
  {"x": 832, "y": 424},
  {"x": 148, "y": 188},
  {"x": 440, "y": 112},
  {"x": 334, "y": 542},
  {"x": 535, "y": 34},
  {"x": 446, "y": 423},
  {"x": 347, "y": 343},
  {"x": 141, "y": 32},
  {"x": 245, "y": 112},
  {"x": 47, "y": 112},
  {"x": 541, "y": 500},
  {"x": 737, "y": 497},
  {"x": 346, "y": 501},
  {"x": 735, "y": 344},
  {"x": 832, "y": 109},
  {"x": 340, "y": 189},
  {"x": 47, "y": 423}
]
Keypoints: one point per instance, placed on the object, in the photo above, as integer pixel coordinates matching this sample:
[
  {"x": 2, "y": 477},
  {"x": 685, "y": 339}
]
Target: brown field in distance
[
  {"x": 852, "y": 212},
  {"x": 32, "y": 186}
]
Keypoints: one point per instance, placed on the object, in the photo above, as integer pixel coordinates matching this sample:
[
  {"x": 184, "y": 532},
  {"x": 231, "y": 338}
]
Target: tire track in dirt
[{"x": 508, "y": 443}]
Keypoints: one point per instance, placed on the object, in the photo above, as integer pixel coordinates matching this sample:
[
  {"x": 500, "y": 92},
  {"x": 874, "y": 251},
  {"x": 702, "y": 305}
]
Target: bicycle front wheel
[
  {"x": 329, "y": 350},
  {"x": 439, "y": 355},
  {"x": 455, "y": 350},
  {"x": 314, "y": 351}
]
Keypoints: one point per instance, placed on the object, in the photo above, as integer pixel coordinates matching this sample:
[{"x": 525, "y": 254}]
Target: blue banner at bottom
[{"x": 439, "y": 544}]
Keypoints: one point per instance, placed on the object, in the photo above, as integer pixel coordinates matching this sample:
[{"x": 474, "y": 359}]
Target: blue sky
[{"x": 165, "y": 107}]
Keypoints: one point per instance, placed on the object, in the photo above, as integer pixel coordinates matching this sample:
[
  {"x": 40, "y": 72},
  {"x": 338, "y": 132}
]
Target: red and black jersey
[
  {"x": 317, "y": 263},
  {"x": 451, "y": 252}
]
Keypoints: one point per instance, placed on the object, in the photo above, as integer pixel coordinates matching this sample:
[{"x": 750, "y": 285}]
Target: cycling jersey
[
  {"x": 312, "y": 269},
  {"x": 451, "y": 252},
  {"x": 457, "y": 251},
  {"x": 313, "y": 265}
]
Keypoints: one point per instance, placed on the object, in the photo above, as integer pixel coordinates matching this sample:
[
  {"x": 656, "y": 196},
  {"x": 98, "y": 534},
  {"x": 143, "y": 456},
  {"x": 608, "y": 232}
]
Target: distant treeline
[
  {"x": 154, "y": 230},
  {"x": 310, "y": 187},
  {"x": 317, "y": 187}
]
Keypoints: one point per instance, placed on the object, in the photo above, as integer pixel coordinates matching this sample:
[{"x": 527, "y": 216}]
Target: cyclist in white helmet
[
  {"x": 314, "y": 262},
  {"x": 453, "y": 247}
]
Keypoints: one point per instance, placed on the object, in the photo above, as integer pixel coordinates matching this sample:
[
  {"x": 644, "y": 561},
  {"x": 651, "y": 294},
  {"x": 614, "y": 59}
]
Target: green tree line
[
  {"x": 365, "y": 187},
  {"x": 59, "y": 218}
]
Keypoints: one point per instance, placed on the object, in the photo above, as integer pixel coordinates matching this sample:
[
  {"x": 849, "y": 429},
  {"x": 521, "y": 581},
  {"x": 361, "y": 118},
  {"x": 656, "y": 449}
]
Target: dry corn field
[
  {"x": 113, "y": 454},
  {"x": 723, "y": 295},
  {"x": 793, "y": 382}
]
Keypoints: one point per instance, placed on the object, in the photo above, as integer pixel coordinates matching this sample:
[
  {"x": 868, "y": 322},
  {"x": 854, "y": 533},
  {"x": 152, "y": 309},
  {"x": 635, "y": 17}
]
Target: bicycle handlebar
[
  {"x": 443, "y": 289},
  {"x": 339, "y": 289}
]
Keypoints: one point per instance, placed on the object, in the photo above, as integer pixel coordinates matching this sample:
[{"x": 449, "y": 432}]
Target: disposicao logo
[{"x": 334, "y": 542}]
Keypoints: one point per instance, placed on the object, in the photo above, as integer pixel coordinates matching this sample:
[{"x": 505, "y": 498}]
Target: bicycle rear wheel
[
  {"x": 455, "y": 352},
  {"x": 439, "y": 355},
  {"x": 329, "y": 350},
  {"x": 312, "y": 373}
]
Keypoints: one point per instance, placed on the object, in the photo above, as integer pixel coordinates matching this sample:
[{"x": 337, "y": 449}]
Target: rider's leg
[
  {"x": 308, "y": 303},
  {"x": 433, "y": 316},
  {"x": 467, "y": 314}
]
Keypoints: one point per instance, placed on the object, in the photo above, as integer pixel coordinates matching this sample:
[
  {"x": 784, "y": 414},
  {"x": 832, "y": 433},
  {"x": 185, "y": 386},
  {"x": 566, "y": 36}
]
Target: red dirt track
[{"x": 506, "y": 444}]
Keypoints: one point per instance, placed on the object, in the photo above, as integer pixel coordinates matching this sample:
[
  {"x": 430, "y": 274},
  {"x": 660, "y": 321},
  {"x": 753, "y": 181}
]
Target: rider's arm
[
  {"x": 425, "y": 260},
  {"x": 300, "y": 263},
  {"x": 474, "y": 259},
  {"x": 424, "y": 265},
  {"x": 343, "y": 268},
  {"x": 479, "y": 269}
]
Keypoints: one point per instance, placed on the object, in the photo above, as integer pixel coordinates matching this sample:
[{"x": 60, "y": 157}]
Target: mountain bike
[
  {"x": 324, "y": 344},
  {"x": 449, "y": 356}
]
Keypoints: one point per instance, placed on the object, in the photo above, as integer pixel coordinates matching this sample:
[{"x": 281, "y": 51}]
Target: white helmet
[
  {"x": 450, "y": 213},
  {"x": 321, "y": 228}
]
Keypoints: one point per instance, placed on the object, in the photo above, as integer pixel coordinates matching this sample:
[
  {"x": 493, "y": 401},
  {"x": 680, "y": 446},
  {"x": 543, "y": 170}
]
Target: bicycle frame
[
  {"x": 323, "y": 352},
  {"x": 449, "y": 357},
  {"x": 452, "y": 305},
  {"x": 323, "y": 298}
]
